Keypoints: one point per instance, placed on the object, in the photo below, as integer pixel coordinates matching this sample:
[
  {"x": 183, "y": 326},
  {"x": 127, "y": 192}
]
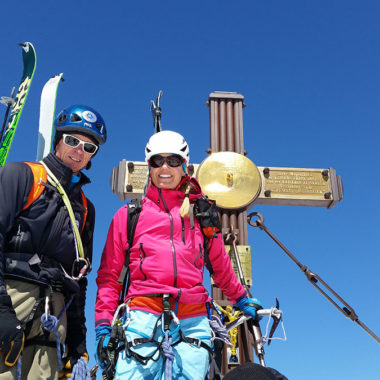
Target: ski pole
[{"x": 9, "y": 102}]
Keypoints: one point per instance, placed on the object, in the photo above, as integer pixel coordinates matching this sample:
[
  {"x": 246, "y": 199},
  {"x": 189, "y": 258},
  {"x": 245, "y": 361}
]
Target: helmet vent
[
  {"x": 99, "y": 127},
  {"x": 184, "y": 148},
  {"x": 74, "y": 117},
  {"x": 62, "y": 118}
]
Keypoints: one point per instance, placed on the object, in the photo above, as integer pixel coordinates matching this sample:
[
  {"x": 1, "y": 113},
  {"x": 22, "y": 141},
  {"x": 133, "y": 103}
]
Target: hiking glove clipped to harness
[
  {"x": 249, "y": 306},
  {"x": 103, "y": 333},
  {"x": 77, "y": 371},
  {"x": 11, "y": 332}
]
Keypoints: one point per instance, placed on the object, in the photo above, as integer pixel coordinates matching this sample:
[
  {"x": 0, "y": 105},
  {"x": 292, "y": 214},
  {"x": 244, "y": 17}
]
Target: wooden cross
[{"x": 278, "y": 186}]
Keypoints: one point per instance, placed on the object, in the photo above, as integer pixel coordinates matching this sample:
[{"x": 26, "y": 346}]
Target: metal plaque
[
  {"x": 301, "y": 187},
  {"x": 244, "y": 252},
  {"x": 229, "y": 178}
]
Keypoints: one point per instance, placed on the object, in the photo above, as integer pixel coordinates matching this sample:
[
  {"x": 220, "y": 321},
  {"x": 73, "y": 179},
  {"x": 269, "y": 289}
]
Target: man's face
[
  {"x": 166, "y": 177},
  {"x": 75, "y": 158}
]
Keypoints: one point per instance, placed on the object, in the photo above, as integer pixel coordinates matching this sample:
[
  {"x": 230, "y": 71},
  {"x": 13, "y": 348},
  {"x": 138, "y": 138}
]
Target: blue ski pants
[{"x": 191, "y": 362}]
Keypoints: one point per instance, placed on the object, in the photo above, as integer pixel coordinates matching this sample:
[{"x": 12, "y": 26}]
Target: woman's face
[{"x": 166, "y": 176}]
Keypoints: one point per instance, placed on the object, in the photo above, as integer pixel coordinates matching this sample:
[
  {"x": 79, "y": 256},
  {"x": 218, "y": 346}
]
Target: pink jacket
[{"x": 167, "y": 256}]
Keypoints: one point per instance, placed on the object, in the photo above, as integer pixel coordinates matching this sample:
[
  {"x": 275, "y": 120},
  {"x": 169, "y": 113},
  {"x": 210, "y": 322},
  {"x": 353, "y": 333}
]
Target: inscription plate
[
  {"x": 297, "y": 186},
  {"x": 135, "y": 176},
  {"x": 244, "y": 252}
]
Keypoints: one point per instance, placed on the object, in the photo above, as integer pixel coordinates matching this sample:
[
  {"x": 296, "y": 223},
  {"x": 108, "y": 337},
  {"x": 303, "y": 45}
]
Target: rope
[
  {"x": 168, "y": 352},
  {"x": 50, "y": 322},
  {"x": 219, "y": 330}
]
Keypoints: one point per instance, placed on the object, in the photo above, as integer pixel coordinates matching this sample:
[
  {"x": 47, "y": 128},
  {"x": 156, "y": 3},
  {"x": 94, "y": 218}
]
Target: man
[
  {"x": 45, "y": 252},
  {"x": 166, "y": 321}
]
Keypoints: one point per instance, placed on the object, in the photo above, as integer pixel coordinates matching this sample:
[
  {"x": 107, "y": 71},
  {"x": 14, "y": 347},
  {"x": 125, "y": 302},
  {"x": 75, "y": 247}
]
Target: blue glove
[
  {"x": 81, "y": 371},
  {"x": 249, "y": 306},
  {"x": 103, "y": 333}
]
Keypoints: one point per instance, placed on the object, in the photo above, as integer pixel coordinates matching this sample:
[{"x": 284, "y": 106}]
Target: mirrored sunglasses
[
  {"x": 74, "y": 142},
  {"x": 173, "y": 161}
]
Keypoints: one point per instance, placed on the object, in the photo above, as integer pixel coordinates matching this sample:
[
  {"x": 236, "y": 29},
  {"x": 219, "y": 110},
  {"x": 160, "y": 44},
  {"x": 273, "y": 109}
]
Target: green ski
[{"x": 29, "y": 62}]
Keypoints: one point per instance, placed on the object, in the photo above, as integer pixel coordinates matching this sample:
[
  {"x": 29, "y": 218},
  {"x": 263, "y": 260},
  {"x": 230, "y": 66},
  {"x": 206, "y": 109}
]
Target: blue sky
[{"x": 309, "y": 71}]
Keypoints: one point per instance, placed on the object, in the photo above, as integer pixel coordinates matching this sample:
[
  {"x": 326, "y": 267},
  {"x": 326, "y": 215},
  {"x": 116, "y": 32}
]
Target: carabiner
[{"x": 83, "y": 271}]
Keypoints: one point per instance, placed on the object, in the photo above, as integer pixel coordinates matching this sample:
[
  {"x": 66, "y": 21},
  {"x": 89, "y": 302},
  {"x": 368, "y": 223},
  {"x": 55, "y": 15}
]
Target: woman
[{"x": 166, "y": 265}]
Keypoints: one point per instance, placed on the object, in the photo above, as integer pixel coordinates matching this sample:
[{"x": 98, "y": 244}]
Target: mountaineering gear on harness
[
  {"x": 167, "y": 142},
  {"x": 80, "y": 119},
  {"x": 346, "y": 310},
  {"x": 77, "y": 238},
  {"x": 75, "y": 370},
  {"x": 250, "y": 306},
  {"x": 12, "y": 335},
  {"x": 108, "y": 354}
]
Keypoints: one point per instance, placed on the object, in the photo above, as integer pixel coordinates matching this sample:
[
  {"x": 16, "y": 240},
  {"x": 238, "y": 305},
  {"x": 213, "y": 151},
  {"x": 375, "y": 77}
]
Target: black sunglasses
[
  {"x": 74, "y": 142},
  {"x": 173, "y": 161}
]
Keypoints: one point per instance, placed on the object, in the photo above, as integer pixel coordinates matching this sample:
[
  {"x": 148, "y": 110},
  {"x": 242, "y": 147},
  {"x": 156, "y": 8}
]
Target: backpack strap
[
  {"x": 134, "y": 210},
  {"x": 84, "y": 202},
  {"x": 39, "y": 180},
  {"x": 209, "y": 267}
]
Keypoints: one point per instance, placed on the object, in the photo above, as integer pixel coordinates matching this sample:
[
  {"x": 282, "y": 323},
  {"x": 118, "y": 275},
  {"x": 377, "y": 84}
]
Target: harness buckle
[
  {"x": 198, "y": 342},
  {"x": 133, "y": 342}
]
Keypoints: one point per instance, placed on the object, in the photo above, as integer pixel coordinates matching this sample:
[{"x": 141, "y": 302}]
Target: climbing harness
[
  {"x": 346, "y": 310},
  {"x": 118, "y": 341},
  {"x": 156, "y": 112}
]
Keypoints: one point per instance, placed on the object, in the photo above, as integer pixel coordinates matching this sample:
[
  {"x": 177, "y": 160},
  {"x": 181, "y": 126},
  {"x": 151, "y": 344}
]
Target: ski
[
  {"x": 47, "y": 111},
  {"x": 29, "y": 63}
]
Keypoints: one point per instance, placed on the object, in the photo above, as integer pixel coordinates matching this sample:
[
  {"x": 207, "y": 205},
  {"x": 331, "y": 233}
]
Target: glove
[
  {"x": 75, "y": 369},
  {"x": 11, "y": 332},
  {"x": 103, "y": 333},
  {"x": 249, "y": 306}
]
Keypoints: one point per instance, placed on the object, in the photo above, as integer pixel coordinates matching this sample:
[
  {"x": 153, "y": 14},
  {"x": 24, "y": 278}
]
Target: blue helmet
[{"x": 81, "y": 119}]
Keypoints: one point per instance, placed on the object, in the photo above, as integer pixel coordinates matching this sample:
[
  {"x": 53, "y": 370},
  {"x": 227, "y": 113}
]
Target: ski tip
[{"x": 26, "y": 46}]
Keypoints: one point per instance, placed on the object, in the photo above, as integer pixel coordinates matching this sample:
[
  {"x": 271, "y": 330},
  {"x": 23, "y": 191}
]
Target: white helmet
[{"x": 167, "y": 142}]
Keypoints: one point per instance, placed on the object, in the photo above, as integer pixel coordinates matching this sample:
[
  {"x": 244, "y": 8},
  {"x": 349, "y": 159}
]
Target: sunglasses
[
  {"x": 173, "y": 161},
  {"x": 73, "y": 141}
]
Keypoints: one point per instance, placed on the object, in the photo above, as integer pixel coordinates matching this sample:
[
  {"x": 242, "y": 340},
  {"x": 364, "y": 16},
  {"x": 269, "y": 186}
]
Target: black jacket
[{"x": 45, "y": 228}]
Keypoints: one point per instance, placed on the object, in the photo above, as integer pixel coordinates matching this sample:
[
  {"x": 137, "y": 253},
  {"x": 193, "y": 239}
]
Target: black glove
[{"x": 11, "y": 332}]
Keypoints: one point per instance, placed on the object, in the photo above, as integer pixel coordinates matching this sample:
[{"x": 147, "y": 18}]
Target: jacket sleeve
[
  {"x": 224, "y": 275},
  {"x": 76, "y": 320},
  {"x": 16, "y": 180},
  {"x": 111, "y": 264}
]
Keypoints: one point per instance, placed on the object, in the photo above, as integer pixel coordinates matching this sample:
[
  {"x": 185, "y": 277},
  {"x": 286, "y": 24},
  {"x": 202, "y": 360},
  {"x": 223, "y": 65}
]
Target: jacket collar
[
  {"x": 63, "y": 172},
  {"x": 172, "y": 198}
]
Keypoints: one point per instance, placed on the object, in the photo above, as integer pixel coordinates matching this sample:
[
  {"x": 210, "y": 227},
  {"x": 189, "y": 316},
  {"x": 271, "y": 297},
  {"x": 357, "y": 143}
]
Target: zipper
[
  {"x": 19, "y": 237},
  {"x": 171, "y": 238},
  {"x": 183, "y": 230},
  {"x": 200, "y": 256},
  {"x": 142, "y": 258}
]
